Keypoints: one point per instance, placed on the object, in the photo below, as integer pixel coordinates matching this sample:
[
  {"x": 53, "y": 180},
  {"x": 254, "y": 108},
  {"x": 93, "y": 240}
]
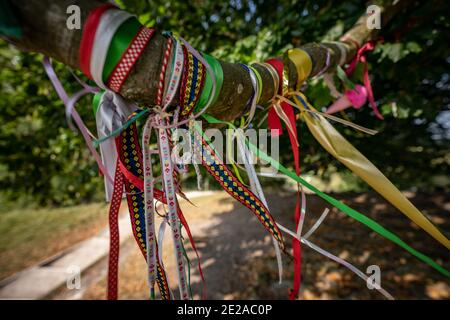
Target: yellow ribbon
[
  {"x": 342, "y": 150},
  {"x": 303, "y": 64}
]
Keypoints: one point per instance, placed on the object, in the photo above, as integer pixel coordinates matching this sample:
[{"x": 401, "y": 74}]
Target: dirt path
[{"x": 238, "y": 259}]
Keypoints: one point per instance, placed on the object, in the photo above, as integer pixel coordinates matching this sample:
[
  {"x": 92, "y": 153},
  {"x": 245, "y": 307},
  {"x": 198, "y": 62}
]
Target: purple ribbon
[{"x": 71, "y": 112}]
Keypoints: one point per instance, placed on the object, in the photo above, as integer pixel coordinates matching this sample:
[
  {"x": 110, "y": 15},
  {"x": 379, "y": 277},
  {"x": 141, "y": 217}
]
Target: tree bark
[{"x": 45, "y": 31}]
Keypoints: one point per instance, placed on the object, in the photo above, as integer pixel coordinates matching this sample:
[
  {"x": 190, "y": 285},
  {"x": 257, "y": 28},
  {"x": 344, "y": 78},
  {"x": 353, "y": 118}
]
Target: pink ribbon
[{"x": 360, "y": 57}]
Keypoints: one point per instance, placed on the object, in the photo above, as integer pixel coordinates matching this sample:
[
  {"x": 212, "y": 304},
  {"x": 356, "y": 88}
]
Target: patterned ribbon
[
  {"x": 129, "y": 58},
  {"x": 192, "y": 83},
  {"x": 131, "y": 165},
  {"x": 220, "y": 172},
  {"x": 114, "y": 239},
  {"x": 167, "y": 170},
  {"x": 149, "y": 208},
  {"x": 177, "y": 71}
]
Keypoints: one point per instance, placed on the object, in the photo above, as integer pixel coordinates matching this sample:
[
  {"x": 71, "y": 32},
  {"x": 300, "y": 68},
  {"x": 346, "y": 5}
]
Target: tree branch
[{"x": 45, "y": 31}]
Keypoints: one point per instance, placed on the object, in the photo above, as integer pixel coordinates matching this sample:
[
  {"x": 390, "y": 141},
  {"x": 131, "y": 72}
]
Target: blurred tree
[{"x": 42, "y": 160}]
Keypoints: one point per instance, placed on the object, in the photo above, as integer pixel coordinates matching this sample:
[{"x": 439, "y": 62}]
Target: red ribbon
[
  {"x": 114, "y": 239},
  {"x": 87, "y": 39},
  {"x": 360, "y": 57},
  {"x": 274, "y": 122}
]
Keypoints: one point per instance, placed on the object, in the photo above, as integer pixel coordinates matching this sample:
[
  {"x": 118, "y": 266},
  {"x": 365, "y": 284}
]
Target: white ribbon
[
  {"x": 113, "y": 111},
  {"x": 110, "y": 21},
  {"x": 317, "y": 223},
  {"x": 256, "y": 188},
  {"x": 149, "y": 205},
  {"x": 176, "y": 72},
  {"x": 170, "y": 192},
  {"x": 254, "y": 102}
]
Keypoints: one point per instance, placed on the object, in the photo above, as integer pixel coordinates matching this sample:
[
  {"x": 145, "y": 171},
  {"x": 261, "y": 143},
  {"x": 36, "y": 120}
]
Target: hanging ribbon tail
[
  {"x": 297, "y": 253},
  {"x": 274, "y": 122},
  {"x": 191, "y": 239},
  {"x": 371, "y": 224},
  {"x": 114, "y": 238},
  {"x": 368, "y": 87},
  {"x": 111, "y": 112},
  {"x": 215, "y": 166},
  {"x": 131, "y": 164},
  {"x": 136, "y": 180},
  {"x": 296, "y": 245},
  {"x": 342, "y": 150},
  {"x": 256, "y": 188}
]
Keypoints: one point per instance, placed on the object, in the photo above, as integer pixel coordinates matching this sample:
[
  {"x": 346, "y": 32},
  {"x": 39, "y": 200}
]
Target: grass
[{"x": 28, "y": 236}]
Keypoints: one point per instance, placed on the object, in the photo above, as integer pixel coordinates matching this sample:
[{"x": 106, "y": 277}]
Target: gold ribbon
[
  {"x": 303, "y": 64},
  {"x": 347, "y": 154}
]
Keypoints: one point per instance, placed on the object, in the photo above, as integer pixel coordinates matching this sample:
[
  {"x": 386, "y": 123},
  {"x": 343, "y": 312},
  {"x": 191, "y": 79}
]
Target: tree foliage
[{"x": 43, "y": 160}]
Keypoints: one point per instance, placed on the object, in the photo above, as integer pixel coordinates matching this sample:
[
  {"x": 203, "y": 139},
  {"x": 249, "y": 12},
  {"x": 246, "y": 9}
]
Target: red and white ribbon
[
  {"x": 149, "y": 205},
  {"x": 114, "y": 237},
  {"x": 170, "y": 191},
  {"x": 129, "y": 58},
  {"x": 176, "y": 72}
]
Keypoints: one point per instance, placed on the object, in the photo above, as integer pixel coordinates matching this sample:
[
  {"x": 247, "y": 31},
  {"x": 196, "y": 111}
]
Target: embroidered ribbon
[
  {"x": 177, "y": 71},
  {"x": 167, "y": 170},
  {"x": 114, "y": 239},
  {"x": 129, "y": 58},
  {"x": 131, "y": 165},
  {"x": 219, "y": 171},
  {"x": 192, "y": 83},
  {"x": 149, "y": 207}
]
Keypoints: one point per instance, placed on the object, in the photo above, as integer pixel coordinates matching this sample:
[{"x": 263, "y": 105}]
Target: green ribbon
[
  {"x": 120, "y": 42},
  {"x": 96, "y": 101},
  {"x": 116, "y": 132},
  {"x": 343, "y": 77},
  {"x": 207, "y": 88},
  {"x": 375, "y": 226}
]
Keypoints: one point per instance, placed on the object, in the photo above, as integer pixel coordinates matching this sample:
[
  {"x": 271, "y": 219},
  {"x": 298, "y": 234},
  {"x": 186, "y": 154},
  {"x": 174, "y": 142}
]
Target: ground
[
  {"x": 29, "y": 236},
  {"x": 238, "y": 259}
]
